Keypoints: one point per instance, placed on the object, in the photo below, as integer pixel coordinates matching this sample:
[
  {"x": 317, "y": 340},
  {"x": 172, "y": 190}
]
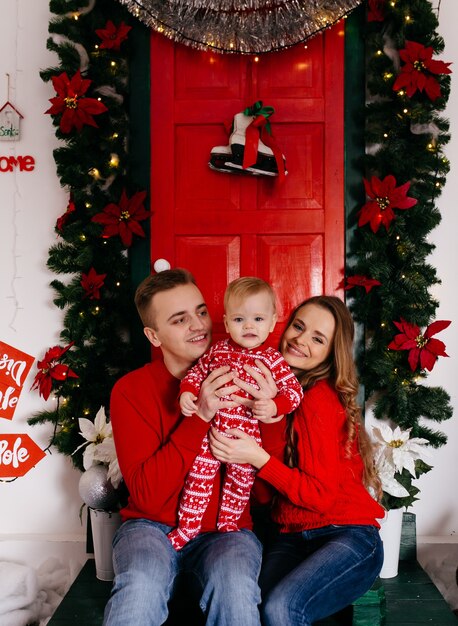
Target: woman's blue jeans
[
  {"x": 309, "y": 575},
  {"x": 225, "y": 566}
]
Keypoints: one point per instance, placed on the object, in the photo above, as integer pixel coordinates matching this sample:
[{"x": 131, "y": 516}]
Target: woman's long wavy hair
[{"x": 340, "y": 370}]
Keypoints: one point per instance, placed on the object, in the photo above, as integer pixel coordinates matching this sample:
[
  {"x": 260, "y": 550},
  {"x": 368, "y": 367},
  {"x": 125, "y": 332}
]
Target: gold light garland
[{"x": 240, "y": 26}]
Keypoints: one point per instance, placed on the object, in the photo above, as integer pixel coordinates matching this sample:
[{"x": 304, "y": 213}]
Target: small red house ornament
[{"x": 10, "y": 120}]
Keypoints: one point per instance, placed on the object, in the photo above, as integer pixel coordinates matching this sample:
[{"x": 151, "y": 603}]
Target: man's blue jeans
[
  {"x": 309, "y": 575},
  {"x": 225, "y": 566}
]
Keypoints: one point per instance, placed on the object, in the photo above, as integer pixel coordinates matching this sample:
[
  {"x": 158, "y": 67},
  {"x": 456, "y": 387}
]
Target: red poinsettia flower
[
  {"x": 50, "y": 369},
  {"x": 376, "y": 10},
  {"x": 112, "y": 36},
  {"x": 418, "y": 71},
  {"x": 92, "y": 283},
  {"x": 63, "y": 219},
  {"x": 123, "y": 219},
  {"x": 384, "y": 197},
  {"x": 422, "y": 348},
  {"x": 361, "y": 281},
  {"x": 76, "y": 109}
]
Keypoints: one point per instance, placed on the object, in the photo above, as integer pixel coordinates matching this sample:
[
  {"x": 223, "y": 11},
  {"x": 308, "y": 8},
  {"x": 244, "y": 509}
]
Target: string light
[
  {"x": 82, "y": 237},
  {"x": 114, "y": 160},
  {"x": 94, "y": 172}
]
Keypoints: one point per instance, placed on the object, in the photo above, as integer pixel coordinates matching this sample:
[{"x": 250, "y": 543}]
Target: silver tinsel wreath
[{"x": 240, "y": 26}]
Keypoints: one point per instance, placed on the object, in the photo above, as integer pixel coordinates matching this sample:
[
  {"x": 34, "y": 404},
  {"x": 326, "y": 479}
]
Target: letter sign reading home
[
  {"x": 19, "y": 163},
  {"x": 18, "y": 454},
  {"x": 14, "y": 367}
]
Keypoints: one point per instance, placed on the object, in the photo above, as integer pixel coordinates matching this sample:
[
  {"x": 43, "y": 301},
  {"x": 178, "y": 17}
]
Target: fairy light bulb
[
  {"x": 94, "y": 172},
  {"x": 114, "y": 160}
]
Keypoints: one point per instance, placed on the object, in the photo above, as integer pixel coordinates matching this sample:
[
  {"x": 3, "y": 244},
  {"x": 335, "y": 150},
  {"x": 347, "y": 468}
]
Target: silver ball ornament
[{"x": 96, "y": 489}]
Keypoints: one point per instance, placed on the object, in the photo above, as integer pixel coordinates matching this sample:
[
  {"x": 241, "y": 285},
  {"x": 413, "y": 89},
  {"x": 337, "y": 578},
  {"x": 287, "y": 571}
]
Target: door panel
[{"x": 221, "y": 226}]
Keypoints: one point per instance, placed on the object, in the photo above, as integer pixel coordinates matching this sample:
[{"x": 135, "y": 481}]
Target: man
[{"x": 156, "y": 446}]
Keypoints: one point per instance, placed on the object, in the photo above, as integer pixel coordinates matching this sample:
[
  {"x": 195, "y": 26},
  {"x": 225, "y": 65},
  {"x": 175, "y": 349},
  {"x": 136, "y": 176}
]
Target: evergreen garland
[
  {"x": 92, "y": 166},
  {"x": 405, "y": 138}
]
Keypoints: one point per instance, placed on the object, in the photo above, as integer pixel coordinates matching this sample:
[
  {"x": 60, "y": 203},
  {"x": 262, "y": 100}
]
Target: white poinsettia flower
[
  {"x": 389, "y": 483},
  {"x": 105, "y": 452},
  {"x": 397, "y": 448},
  {"x": 95, "y": 432}
]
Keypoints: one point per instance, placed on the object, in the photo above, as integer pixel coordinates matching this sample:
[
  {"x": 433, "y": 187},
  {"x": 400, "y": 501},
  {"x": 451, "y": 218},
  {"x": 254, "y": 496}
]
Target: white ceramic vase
[
  {"x": 104, "y": 524},
  {"x": 390, "y": 533}
]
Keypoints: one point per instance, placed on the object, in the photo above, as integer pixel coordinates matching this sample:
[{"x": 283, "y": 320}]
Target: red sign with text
[
  {"x": 14, "y": 367},
  {"x": 18, "y": 454}
]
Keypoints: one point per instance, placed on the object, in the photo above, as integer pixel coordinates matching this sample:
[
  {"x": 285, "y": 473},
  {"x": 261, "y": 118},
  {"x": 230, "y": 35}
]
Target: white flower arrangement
[
  {"x": 100, "y": 448},
  {"x": 395, "y": 451}
]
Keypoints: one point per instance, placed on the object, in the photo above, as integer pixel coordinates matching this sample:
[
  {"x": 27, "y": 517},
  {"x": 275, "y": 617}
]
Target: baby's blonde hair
[{"x": 245, "y": 286}]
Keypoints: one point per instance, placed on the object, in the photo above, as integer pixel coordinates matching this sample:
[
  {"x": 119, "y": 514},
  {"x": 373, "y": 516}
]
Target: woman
[{"x": 328, "y": 552}]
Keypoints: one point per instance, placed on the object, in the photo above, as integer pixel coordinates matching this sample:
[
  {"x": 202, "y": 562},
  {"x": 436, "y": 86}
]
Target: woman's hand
[
  {"x": 211, "y": 392},
  {"x": 238, "y": 447}
]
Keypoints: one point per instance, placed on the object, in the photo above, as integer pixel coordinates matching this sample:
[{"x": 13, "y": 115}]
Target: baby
[{"x": 250, "y": 316}]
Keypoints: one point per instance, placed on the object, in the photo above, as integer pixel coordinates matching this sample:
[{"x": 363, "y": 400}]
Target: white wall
[
  {"x": 45, "y": 503},
  {"x": 437, "y": 509}
]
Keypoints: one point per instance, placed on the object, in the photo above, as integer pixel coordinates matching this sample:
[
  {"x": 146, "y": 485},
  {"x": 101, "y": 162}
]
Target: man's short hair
[
  {"x": 151, "y": 285},
  {"x": 245, "y": 286}
]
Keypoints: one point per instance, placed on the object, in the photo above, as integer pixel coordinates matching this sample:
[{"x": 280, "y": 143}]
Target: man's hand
[{"x": 211, "y": 392}]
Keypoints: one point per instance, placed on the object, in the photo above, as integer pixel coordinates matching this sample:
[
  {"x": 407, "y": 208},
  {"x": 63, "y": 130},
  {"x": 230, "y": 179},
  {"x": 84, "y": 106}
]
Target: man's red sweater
[{"x": 156, "y": 446}]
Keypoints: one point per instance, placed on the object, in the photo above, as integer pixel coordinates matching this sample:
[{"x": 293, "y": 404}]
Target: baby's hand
[
  {"x": 263, "y": 410},
  {"x": 187, "y": 403}
]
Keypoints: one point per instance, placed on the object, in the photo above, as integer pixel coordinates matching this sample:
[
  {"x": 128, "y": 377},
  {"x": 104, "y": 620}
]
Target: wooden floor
[{"x": 410, "y": 599}]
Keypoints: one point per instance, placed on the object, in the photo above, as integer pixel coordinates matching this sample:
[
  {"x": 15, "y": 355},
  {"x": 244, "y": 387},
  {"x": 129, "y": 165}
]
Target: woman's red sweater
[{"x": 326, "y": 487}]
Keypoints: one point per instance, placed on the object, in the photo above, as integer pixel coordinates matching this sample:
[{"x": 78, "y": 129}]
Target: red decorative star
[
  {"x": 92, "y": 283},
  {"x": 112, "y": 36},
  {"x": 361, "y": 281},
  {"x": 51, "y": 370},
  {"x": 76, "y": 109},
  {"x": 376, "y": 10},
  {"x": 422, "y": 348},
  {"x": 63, "y": 219},
  {"x": 123, "y": 219},
  {"x": 418, "y": 71},
  {"x": 384, "y": 197}
]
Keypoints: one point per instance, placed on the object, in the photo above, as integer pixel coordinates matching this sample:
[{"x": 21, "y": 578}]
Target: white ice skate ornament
[{"x": 252, "y": 149}]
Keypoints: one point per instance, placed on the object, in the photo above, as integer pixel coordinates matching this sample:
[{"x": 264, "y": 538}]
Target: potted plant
[
  {"x": 399, "y": 459},
  {"x": 99, "y": 487}
]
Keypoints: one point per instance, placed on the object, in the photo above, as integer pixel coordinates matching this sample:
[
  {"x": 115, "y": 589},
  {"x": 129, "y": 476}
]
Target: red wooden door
[{"x": 221, "y": 226}]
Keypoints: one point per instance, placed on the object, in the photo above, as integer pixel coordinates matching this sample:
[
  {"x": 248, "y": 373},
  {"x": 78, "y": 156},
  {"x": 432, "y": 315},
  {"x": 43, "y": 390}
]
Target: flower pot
[
  {"x": 390, "y": 533},
  {"x": 104, "y": 525}
]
